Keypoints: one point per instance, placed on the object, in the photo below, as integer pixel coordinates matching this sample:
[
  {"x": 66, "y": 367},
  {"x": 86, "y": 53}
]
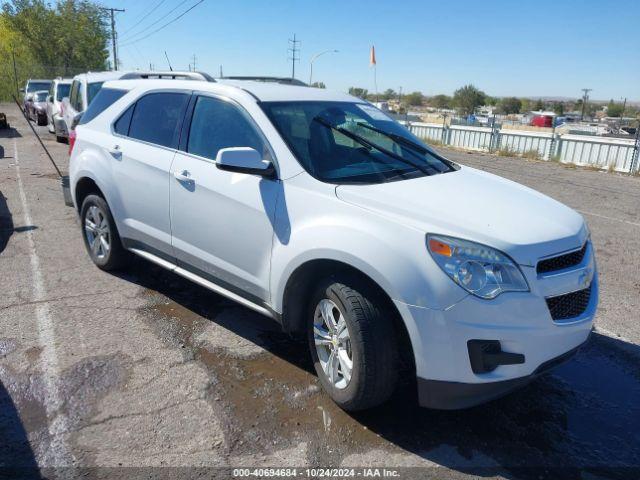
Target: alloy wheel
[
  {"x": 96, "y": 228},
  {"x": 333, "y": 343}
]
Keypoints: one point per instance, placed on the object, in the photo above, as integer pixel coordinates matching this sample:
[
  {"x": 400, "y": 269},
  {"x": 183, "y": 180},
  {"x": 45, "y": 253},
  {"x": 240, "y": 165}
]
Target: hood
[{"x": 476, "y": 206}]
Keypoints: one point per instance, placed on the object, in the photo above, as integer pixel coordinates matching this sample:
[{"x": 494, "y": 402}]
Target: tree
[
  {"x": 493, "y": 101},
  {"x": 526, "y": 105},
  {"x": 358, "y": 92},
  {"x": 539, "y": 105},
  {"x": 318, "y": 85},
  {"x": 558, "y": 108},
  {"x": 467, "y": 99},
  {"x": 64, "y": 39},
  {"x": 614, "y": 109},
  {"x": 510, "y": 105},
  {"x": 414, "y": 99},
  {"x": 388, "y": 94},
  {"x": 440, "y": 101}
]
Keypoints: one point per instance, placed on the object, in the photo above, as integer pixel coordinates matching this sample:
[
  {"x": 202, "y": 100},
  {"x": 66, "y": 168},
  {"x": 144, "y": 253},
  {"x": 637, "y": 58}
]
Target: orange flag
[{"x": 372, "y": 57}]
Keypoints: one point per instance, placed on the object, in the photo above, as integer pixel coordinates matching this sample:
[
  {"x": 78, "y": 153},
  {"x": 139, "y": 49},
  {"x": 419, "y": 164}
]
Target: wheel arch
[
  {"x": 84, "y": 187},
  {"x": 306, "y": 276}
]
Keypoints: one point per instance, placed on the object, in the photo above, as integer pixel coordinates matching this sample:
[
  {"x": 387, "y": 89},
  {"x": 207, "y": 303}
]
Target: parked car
[
  {"x": 37, "y": 107},
  {"x": 85, "y": 87},
  {"x": 33, "y": 85},
  {"x": 60, "y": 88},
  {"x": 314, "y": 208},
  {"x": 83, "y": 90}
]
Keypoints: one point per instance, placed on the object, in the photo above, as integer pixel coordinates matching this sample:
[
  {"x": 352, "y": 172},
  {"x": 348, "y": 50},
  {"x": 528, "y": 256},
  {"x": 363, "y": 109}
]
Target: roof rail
[
  {"x": 284, "y": 80},
  {"x": 171, "y": 75}
]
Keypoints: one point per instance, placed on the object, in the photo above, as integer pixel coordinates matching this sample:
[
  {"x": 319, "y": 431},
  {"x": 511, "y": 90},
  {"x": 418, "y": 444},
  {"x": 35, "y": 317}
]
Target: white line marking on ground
[
  {"x": 610, "y": 218},
  {"x": 59, "y": 453}
]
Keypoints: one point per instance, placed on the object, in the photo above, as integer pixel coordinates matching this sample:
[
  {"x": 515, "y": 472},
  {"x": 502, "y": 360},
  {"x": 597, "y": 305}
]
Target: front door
[{"x": 221, "y": 221}]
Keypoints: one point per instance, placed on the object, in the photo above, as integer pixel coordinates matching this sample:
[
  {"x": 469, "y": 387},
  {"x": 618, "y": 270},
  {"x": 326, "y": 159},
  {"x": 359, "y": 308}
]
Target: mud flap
[{"x": 66, "y": 190}]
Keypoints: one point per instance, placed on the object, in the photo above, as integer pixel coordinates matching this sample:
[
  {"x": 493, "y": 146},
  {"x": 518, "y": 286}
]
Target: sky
[{"x": 522, "y": 48}]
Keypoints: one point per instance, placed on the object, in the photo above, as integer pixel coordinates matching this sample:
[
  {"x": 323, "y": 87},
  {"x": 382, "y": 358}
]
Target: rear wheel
[
  {"x": 352, "y": 342},
  {"x": 101, "y": 235}
]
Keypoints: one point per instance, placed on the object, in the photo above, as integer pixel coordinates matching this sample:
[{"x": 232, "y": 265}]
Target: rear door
[
  {"x": 222, "y": 222},
  {"x": 144, "y": 143}
]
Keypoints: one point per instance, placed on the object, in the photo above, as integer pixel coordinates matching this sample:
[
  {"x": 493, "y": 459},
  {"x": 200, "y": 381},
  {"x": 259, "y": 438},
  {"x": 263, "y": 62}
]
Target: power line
[
  {"x": 114, "y": 39},
  {"x": 134, "y": 35},
  {"x": 144, "y": 17},
  {"x": 166, "y": 24},
  {"x": 294, "y": 51}
]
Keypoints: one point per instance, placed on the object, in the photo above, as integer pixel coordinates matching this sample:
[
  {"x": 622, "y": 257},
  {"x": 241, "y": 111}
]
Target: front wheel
[
  {"x": 352, "y": 342},
  {"x": 101, "y": 235}
]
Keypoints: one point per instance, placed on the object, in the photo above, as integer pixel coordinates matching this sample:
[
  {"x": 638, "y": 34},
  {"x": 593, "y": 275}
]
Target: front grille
[
  {"x": 570, "y": 305},
  {"x": 562, "y": 261}
]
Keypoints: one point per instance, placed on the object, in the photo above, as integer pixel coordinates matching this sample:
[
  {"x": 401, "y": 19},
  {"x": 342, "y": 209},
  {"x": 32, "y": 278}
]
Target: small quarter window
[
  {"x": 121, "y": 126},
  {"x": 104, "y": 99}
]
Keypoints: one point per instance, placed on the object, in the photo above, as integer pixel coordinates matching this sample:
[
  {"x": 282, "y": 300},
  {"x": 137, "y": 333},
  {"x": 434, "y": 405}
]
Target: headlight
[{"x": 482, "y": 271}]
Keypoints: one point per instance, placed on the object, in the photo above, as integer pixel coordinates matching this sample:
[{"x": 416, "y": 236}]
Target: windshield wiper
[
  {"x": 396, "y": 137},
  {"x": 367, "y": 143}
]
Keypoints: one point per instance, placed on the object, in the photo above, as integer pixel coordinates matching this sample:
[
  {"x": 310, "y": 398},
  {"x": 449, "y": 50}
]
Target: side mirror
[
  {"x": 22, "y": 90},
  {"x": 244, "y": 160},
  {"x": 76, "y": 120},
  {"x": 50, "y": 99}
]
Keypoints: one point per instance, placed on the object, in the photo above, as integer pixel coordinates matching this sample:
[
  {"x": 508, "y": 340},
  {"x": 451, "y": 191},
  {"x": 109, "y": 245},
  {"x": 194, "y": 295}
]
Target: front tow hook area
[{"x": 486, "y": 355}]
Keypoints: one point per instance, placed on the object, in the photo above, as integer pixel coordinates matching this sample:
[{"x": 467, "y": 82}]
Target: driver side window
[{"x": 218, "y": 124}]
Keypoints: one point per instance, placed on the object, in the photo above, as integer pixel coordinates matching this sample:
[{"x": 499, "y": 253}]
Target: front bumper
[
  {"x": 519, "y": 322},
  {"x": 445, "y": 395}
]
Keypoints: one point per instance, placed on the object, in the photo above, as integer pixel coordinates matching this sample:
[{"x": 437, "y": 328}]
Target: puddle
[{"x": 585, "y": 415}]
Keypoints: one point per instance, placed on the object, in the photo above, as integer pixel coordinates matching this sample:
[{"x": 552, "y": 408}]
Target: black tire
[
  {"x": 60, "y": 139},
  {"x": 41, "y": 121},
  {"x": 374, "y": 348},
  {"x": 116, "y": 256}
]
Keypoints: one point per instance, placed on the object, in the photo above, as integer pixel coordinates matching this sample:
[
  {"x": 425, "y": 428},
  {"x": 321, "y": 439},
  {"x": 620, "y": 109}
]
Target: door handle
[
  {"x": 183, "y": 176},
  {"x": 115, "y": 151}
]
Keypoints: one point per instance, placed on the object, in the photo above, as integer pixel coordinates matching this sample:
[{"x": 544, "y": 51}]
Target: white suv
[
  {"x": 316, "y": 209},
  {"x": 60, "y": 88}
]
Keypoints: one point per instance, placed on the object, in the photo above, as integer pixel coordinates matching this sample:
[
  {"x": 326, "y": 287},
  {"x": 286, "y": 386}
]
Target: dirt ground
[{"x": 143, "y": 369}]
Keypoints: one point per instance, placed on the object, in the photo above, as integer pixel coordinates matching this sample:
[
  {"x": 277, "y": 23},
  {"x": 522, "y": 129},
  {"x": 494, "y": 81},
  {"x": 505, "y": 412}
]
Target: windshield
[
  {"x": 41, "y": 96},
  {"x": 35, "y": 86},
  {"x": 92, "y": 90},
  {"x": 344, "y": 142},
  {"x": 62, "y": 91}
]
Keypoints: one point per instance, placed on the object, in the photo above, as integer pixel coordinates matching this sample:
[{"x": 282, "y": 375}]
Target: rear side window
[
  {"x": 79, "y": 106},
  {"x": 156, "y": 118},
  {"x": 104, "y": 99},
  {"x": 74, "y": 93}
]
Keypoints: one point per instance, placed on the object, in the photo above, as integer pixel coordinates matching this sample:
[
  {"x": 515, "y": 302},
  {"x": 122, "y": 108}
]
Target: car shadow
[
  {"x": 17, "y": 459},
  {"x": 584, "y": 416},
  {"x": 6, "y": 223}
]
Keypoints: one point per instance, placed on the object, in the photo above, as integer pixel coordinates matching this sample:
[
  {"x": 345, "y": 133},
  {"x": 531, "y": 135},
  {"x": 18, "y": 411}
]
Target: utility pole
[
  {"x": 585, "y": 99},
  {"x": 194, "y": 62},
  {"x": 624, "y": 107},
  {"x": 114, "y": 39},
  {"x": 221, "y": 75},
  {"x": 294, "y": 52},
  {"x": 15, "y": 73}
]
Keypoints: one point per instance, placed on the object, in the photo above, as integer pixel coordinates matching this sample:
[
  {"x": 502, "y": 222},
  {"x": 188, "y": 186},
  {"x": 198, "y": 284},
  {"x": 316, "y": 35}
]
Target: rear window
[
  {"x": 41, "y": 96},
  {"x": 35, "y": 86},
  {"x": 156, "y": 118},
  {"x": 62, "y": 91},
  {"x": 104, "y": 99}
]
